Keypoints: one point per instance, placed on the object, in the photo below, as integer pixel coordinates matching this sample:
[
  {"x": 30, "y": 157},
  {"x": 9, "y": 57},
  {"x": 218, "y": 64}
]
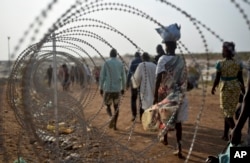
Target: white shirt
[
  {"x": 144, "y": 77},
  {"x": 161, "y": 63}
]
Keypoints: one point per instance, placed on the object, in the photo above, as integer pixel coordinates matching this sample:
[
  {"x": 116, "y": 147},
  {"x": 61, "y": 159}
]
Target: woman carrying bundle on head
[{"x": 170, "y": 103}]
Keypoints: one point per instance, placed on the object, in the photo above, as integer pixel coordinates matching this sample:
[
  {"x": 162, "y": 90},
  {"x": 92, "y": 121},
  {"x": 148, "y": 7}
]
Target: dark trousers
[
  {"x": 113, "y": 121},
  {"x": 141, "y": 112},
  {"x": 49, "y": 81},
  {"x": 134, "y": 95}
]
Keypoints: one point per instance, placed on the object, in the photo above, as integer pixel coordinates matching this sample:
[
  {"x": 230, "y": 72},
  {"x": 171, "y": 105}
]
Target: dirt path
[{"x": 206, "y": 141}]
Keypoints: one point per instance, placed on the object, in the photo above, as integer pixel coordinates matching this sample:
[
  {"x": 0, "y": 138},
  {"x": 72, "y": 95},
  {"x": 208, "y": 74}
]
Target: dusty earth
[{"x": 204, "y": 115}]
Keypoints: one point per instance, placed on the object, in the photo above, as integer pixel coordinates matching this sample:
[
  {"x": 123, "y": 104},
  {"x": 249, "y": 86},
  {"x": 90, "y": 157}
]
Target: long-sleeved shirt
[
  {"x": 112, "y": 76},
  {"x": 144, "y": 77},
  {"x": 132, "y": 67}
]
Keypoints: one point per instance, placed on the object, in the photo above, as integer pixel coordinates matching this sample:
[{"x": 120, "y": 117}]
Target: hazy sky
[{"x": 220, "y": 15}]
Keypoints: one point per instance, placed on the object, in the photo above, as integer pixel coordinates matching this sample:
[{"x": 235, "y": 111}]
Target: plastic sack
[{"x": 169, "y": 33}]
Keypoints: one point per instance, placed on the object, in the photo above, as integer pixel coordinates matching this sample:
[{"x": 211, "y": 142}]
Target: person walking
[
  {"x": 236, "y": 132},
  {"x": 65, "y": 77},
  {"x": 144, "y": 79},
  {"x": 134, "y": 91},
  {"x": 229, "y": 75},
  {"x": 49, "y": 75},
  {"x": 170, "y": 90},
  {"x": 170, "y": 107},
  {"x": 96, "y": 73},
  {"x": 160, "y": 52},
  {"x": 72, "y": 74},
  {"x": 112, "y": 83}
]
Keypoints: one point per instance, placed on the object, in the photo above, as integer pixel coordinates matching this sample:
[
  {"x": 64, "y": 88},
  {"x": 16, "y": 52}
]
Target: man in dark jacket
[{"x": 134, "y": 91}]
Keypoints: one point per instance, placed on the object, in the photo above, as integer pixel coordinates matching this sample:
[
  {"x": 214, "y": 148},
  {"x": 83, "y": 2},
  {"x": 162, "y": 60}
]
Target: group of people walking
[
  {"x": 160, "y": 85},
  {"x": 69, "y": 76}
]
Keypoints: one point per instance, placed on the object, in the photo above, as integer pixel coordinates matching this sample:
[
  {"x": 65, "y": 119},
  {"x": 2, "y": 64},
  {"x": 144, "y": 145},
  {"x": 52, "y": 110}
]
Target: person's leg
[
  {"x": 108, "y": 109},
  {"x": 72, "y": 80},
  {"x": 108, "y": 101},
  {"x": 134, "y": 93},
  {"x": 141, "y": 112},
  {"x": 226, "y": 130},
  {"x": 116, "y": 102},
  {"x": 163, "y": 134},
  {"x": 116, "y": 107},
  {"x": 49, "y": 82},
  {"x": 63, "y": 85},
  {"x": 165, "y": 138},
  {"x": 230, "y": 122},
  {"x": 178, "y": 127}
]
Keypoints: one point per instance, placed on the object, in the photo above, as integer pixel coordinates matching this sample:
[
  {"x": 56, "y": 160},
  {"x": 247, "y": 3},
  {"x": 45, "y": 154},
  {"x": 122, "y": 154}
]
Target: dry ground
[{"x": 206, "y": 142}]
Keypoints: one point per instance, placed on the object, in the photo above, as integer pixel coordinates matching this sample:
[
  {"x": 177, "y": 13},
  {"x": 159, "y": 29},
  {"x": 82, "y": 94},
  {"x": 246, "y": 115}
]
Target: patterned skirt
[{"x": 229, "y": 97}]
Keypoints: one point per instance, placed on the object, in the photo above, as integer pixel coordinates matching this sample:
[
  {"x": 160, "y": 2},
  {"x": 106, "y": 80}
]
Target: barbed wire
[
  {"x": 242, "y": 12},
  {"x": 31, "y": 102}
]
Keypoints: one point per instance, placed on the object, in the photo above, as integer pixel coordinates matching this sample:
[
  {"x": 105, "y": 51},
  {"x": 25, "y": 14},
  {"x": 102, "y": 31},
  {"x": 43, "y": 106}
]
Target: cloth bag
[
  {"x": 169, "y": 33},
  {"x": 159, "y": 115}
]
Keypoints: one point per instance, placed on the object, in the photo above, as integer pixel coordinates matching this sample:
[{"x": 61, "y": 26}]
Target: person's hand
[
  {"x": 213, "y": 91},
  {"x": 122, "y": 92},
  {"x": 101, "y": 92}
]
